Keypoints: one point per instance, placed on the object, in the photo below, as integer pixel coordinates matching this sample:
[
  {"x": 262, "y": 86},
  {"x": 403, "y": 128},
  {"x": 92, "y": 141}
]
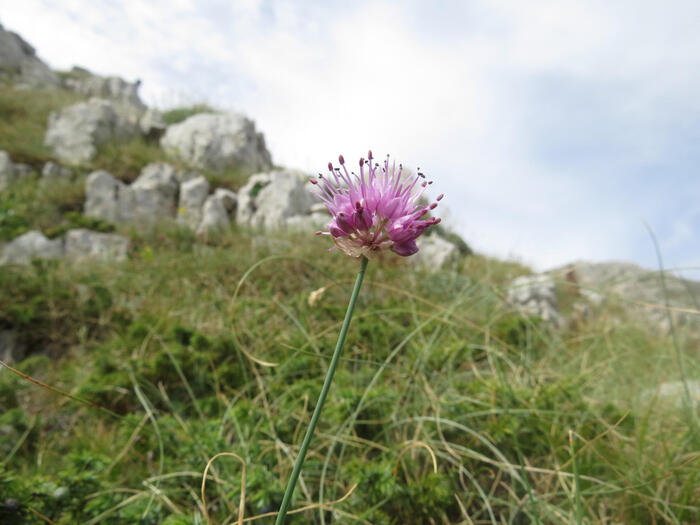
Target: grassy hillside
[{"x": 446, "y": 408}]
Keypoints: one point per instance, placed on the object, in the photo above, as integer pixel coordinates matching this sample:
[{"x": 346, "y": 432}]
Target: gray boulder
[
  {"x": 435, "y": 252},
  {"x": 269, "y": 200},
  {"x": 218, "y": 142},
  {"x": 193, "y": 193},
  {"x": 75, "y": 132},
  {"x": 153, "y": 194},
  {"x": 19, "y": 62},
  {"x": 31, "y": 245},
  {"x": 86, "y": 244},
  {"x": 105, "y": 197},
  {"x": 535, "y": 295},
  {"x": 7, "y": 171},
  {"x": 214, "y": 216}
]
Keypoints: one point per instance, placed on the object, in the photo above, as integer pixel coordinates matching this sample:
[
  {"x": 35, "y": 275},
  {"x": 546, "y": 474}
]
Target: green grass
[
  {"x": 125, "y": 159},
  {"x": 433, "y": 366},
  {"x": 51, "y": 209},
  {"x": 23, "y": 118},
  {"x": 177, "y": 115}
]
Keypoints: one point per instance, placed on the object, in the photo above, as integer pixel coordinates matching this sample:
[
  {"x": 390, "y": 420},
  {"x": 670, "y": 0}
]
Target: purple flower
[{"x": 375, "y": 210}]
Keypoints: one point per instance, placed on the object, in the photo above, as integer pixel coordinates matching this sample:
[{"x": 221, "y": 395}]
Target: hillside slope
[{"x": 125, "y": 377}]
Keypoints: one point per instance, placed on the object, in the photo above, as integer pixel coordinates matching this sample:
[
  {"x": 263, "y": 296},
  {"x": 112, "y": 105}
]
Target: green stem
[{"x": 322, "y": 397}]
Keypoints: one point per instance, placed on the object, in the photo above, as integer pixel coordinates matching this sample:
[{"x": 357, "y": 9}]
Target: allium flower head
[{"x": 375, "y": 210}]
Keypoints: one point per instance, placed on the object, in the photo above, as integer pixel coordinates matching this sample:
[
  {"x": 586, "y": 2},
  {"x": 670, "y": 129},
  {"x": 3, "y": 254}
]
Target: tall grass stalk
[{"x": 322, "y": 397}]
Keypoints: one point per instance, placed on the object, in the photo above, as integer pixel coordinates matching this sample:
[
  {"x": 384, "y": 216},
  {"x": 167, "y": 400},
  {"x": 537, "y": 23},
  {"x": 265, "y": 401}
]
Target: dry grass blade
[
  {"x": 416, "y": 444},
  {"x": 241, "y": 505}
]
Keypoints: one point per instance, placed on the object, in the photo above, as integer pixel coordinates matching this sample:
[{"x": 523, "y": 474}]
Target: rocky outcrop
[
  {"x": 31, "y": 245},
  {"x": 218, "y": 142},
  {"x": 82, "y": 244},
  {"x": 115, "y": 89},
  {"x": 535, "y": 295},
  {"x": 150, "y": 198},
  {"x": 271, "y": 200},
  {"x": 77, "y": 244},
  {"x": 640, "y": 292},
  {"x": 18, "y": 61},
  {"x": 75, "y": 132}
]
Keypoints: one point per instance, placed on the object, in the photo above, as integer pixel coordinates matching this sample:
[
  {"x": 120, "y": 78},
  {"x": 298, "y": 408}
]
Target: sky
[{"x": 558, "y": 130}]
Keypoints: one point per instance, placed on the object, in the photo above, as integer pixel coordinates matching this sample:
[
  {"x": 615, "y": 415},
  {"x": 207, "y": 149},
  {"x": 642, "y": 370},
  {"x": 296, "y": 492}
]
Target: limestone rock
[
  {"x": 268, "y": 200},
  {"x": 31, "y": 245},
  {"x": 103, "y": 194},
  {"x": 153, "y": 194},
  {"x": 637, "y": 288},
  {"x": 218, "y": 142},
  {"x": 75, "y": 132},
  {"x": 7, "y": 171},
  {"x": 536, "y": 295},
  {"x": 116, "y": 89},
  {"x": 150, "y": 198},
  {"x": 152, "y": 124},
  {"x": 86, "y": 244},
  {"x": 18, "y": 60},
  {"x": 434, "y": 252},
  {"x": 193, "y": 193},
  {"x": 214, "y": 216}
]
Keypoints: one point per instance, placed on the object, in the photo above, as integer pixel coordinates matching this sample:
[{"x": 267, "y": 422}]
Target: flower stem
[{"x": 322, "y": 397}]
